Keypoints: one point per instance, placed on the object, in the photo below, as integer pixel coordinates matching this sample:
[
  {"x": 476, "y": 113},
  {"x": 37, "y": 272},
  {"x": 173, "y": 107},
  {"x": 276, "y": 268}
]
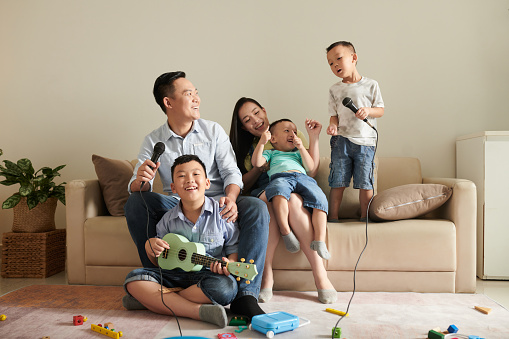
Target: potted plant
[{"x": 38, "y": 195}]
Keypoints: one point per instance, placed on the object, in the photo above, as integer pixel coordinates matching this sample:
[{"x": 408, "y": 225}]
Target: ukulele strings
[{"x": 196, "y": 258}]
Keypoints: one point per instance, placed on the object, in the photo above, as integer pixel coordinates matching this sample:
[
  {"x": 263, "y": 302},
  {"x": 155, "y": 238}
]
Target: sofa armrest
[
  {"x": 461, "y": 209},
  {"x": 83, "y": 200}
]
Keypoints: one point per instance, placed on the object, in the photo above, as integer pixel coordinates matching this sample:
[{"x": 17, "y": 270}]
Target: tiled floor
[{"x": 497, "y": 290}]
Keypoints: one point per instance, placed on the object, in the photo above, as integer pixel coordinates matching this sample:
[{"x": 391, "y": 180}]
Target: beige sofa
[{"x": 434, "y": 253}]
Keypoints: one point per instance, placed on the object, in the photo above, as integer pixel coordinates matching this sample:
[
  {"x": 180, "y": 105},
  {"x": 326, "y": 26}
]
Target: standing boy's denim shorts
[
  {"x": 220, "y": 289},
  {"x": 349, "y": 159},
  {"x": 286, "y": 183}
]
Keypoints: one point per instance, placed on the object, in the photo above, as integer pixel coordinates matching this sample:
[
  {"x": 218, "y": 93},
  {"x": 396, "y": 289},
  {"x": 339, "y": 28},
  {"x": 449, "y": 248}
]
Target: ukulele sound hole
[{"x": 182, "y": 255}]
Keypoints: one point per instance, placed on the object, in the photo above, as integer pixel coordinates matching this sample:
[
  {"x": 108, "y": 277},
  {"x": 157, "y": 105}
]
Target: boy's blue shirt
[{"x": 219, "y": 237}]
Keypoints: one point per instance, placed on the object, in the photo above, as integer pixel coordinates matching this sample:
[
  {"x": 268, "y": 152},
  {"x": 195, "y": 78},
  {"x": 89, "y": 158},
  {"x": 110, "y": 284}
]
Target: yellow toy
[
  {"x": 331, "y": 310},
  {"x": 106, "y": 332}
]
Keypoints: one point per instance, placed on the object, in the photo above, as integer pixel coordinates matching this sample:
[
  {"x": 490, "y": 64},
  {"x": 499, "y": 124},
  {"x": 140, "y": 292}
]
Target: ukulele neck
[{"x": 200, "y": 259}]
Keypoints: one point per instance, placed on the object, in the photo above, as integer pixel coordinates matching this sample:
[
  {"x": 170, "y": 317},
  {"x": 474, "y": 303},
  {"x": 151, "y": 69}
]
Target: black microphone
[
  {"x": 158, "y": 150},
  {"x": 347, "y": 102}
]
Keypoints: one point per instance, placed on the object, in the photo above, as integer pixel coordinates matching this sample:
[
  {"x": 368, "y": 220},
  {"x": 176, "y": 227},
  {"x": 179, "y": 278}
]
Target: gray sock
[
  {"x": 265, "y": 295},
  {"x": 131, "y": 303},
  {"x": 327, "y": 296},
  {"x": 291, "y": 242},
  {"x": 321, "y": 248},
  {"x": 214, "y": 314}
]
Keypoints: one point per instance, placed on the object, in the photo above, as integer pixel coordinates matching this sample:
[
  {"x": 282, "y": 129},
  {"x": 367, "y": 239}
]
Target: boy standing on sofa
[
  {"x": 197, "y": 218},
  {"x": 289, "y": 162},
  {"x": 353, "y": 141}
]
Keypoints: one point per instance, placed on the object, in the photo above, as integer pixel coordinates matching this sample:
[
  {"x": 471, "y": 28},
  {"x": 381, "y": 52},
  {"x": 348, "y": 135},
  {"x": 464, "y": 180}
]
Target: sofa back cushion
[
  {"x": 350, "y": 206},
  {"x": 397, "y": 171},
  {"x": 113, "y": 176}
]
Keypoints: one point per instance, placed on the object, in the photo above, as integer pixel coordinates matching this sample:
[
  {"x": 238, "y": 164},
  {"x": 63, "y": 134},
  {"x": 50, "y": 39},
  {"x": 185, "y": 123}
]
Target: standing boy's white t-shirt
[{"x": 364, "y": 93}]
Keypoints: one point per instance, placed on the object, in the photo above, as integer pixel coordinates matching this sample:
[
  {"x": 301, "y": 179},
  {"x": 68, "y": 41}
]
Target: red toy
[
  {"x": 226, "y": 335},
  {"x": 78, "y": 320}
]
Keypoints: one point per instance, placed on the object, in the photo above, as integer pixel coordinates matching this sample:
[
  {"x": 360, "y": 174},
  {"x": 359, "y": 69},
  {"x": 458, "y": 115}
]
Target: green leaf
[
  {"x": 43, "y": 196},
  {"x": 9, "y": 181},
  {"x": 46, "y": 171},
  {"x": 12, "y": 169},
  {"x": 32, "y": 201},
  {"x": 11, "y": 201},
  {"x": 25, "y": 190},
  {"x": 26, "y": 166},
  {"x": 59, "y": 168}
]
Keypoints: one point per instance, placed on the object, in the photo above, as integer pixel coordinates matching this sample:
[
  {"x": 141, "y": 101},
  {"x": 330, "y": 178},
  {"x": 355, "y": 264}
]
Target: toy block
[
  {"x": 106, "y": 332},
  {"x": 336, "y": 332},
  {"x": 331, "y": 310},
  {"x": 432, "y": 334},
  {"x": 78, "y": 320},
  {"x": 241, "y": 328},
  {"x": 485, "y": 310},
  {"x": 237, "y": 321},
  {"x": 452, "y": 329},
  {"x": 226, "y": 335},
  {"x": 473, "y": 337}
]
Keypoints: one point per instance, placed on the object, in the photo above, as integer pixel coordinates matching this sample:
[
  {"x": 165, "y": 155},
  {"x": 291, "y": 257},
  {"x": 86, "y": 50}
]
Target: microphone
[
  {"x": 347, "y": 102},
  {"x": 158, "y": 150}
]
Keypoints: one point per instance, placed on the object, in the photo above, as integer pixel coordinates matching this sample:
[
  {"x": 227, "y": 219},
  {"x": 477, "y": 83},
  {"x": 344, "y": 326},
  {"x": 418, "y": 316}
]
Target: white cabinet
[{"x": 484, "y": 158}]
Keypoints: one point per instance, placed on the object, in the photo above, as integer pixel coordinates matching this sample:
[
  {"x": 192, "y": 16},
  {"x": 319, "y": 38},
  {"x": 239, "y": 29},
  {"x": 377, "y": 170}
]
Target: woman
[{"x": 249, "y": 121}]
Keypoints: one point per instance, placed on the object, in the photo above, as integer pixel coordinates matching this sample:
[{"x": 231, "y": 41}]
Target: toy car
[{"x": 276, "y": 322}]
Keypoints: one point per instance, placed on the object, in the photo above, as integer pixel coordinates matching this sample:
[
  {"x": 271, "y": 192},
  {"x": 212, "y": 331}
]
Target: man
[{"x": 185, "y": 133}]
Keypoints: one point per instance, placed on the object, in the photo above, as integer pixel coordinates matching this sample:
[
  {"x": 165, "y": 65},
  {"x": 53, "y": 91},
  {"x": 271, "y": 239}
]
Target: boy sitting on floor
[{"x": 197, "y": 218}]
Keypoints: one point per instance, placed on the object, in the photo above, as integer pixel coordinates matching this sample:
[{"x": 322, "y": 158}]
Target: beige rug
[{"x": 47, "y": 310}]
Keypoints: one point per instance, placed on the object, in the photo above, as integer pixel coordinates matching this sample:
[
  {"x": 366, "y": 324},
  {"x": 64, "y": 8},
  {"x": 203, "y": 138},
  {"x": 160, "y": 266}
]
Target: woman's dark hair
[{"x": 241, "y": 139}]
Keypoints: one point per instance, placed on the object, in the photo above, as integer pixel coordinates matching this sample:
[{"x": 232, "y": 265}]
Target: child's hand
[
  {"x": 217, "y": 268},
  {"x": 297, "y": 142},
  {"x": 313, "y": 127},
  {"x": 363, "y": 113},
  {"x": 332, "y": 129},
  {"x": 155, "y": 246},
  {"x": 265, "y": 137}
]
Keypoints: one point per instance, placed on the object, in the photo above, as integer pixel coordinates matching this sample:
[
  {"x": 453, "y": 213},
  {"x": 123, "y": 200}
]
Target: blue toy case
[{"x": 274, "y": 323}]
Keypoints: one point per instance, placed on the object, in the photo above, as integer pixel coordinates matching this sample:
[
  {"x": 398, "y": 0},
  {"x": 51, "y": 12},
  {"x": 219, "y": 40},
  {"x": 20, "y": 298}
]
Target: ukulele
[{"x": 190, "y": 256}]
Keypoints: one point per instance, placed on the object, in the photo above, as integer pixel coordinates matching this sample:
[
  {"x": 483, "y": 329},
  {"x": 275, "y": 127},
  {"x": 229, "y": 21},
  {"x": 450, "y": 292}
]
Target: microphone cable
[
  {"x": 367, "y": 222},
  {"x": 159, "y": 267}
]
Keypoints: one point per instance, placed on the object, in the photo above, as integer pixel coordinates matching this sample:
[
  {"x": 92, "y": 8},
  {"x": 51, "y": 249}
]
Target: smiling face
[
  {"x": 190, "y": 181},
  {"x": 282, "y": 135},
  {"x": 185, "y": 102},
  {"x": 254, "y": 118},
  {"x": 342, "y": 61}
]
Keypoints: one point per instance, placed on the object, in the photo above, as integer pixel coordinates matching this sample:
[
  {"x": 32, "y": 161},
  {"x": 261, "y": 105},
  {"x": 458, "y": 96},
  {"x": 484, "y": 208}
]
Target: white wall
[{"x": 76, "y": 76}]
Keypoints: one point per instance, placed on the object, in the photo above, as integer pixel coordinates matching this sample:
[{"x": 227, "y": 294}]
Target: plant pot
[{"x": 41, "y": 218}]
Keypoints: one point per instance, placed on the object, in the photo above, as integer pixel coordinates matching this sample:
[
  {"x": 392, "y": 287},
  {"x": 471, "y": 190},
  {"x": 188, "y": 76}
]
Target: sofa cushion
[
  {"x": 114, "y": 176},
  {"x": 408, "y": 201},
  {"x": 350, "y": 206}
]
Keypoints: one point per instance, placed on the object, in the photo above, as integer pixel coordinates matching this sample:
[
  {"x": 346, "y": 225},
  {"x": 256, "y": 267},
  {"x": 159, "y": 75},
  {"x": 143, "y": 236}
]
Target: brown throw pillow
[
  {"x": 114, "y": 176},
  {"x": 408, "y": 201}
]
